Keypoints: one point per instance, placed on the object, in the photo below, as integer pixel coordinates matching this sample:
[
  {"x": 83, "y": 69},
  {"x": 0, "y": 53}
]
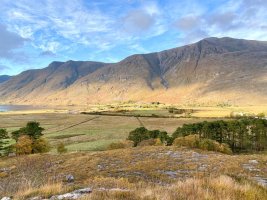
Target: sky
[{"x": 33, "y": 33}]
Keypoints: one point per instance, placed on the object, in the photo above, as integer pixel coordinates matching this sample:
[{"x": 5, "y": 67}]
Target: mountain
[
  {"x": 4, "y": 78},
  {"x": 213, "y": 70}
]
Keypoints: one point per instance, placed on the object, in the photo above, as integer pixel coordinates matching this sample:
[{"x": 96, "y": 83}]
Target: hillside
[
  {"x": 136, "y": 173},
  {"x": 211, "y": 71}
]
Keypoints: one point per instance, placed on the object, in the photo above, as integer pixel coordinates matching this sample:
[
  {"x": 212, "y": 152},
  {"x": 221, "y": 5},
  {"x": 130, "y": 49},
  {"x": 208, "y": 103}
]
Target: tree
[
  {"x": 138, "y": 135},
  {"x": 245, "y": 134},
  {"x": 3, "y": 137},
  {"x": 32, "y": 129}
]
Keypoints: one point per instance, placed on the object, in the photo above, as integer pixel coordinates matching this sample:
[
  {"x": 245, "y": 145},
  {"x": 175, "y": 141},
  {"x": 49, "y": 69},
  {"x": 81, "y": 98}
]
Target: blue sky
[{"x": 34, "y": 33}]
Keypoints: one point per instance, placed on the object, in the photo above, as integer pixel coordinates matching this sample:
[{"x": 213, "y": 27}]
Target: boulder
[{"x": 70, "y": 178}]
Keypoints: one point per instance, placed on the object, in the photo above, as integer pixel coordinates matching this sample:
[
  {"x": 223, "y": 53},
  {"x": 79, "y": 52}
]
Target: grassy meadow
[
  {"x": 89, "y": 132},
  {"x": 81, "y": 132}
]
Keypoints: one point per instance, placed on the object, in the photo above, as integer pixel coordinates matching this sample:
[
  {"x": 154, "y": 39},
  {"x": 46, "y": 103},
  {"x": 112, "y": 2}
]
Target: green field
[{"x": 89, "y": 132}]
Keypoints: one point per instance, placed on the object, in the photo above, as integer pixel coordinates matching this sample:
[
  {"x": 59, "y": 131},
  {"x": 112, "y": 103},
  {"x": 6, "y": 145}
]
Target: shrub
[
  {"x": 61, "y": 148},
  {"x": 23, "y": 145},
  {"x": 193, "y": 141},
  {"x": 40, "y": 146},
  {"x": 187, "y": 141},
  {"x": 120, "y": 145},
  {"x": 116, "y": 145},
  {"x": 261, "y": 115}
]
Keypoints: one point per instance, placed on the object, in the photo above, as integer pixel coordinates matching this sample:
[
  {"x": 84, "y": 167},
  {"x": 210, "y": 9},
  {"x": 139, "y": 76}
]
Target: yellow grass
[
  {"x": 211, "y": 188},
  {"x": 45, "y": 191}
]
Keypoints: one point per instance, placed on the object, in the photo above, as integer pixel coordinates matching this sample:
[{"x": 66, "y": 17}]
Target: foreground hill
[
  {"x": 213, "y": 70},
  {"x": 136, "y": 173}
]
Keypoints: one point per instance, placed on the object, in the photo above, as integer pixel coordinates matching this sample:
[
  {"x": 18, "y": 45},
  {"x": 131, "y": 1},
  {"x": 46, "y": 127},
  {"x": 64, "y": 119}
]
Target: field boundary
[{"x": 73, "y": 125}]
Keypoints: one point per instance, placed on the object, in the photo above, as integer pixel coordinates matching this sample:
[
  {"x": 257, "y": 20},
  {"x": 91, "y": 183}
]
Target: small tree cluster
[
  {"x": 140, "y": 134},
  {"x": 29, "y": 139},
  {"x": 248, "y": 134}
]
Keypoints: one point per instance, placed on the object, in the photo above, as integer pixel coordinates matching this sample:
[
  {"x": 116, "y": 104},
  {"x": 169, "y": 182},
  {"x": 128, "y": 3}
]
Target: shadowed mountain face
[
  {"x": 4, "y": 78},
  {"x": 212, "y": 70}
]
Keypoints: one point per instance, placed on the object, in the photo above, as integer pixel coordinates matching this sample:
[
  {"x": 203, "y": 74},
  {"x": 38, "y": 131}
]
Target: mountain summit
[{"x": 213, "y": 70}]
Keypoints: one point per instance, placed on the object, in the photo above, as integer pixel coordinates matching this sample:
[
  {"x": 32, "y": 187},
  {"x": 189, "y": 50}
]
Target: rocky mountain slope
[
  {"x": 4, "y": 78},
  {"x": 213, "y": 70}
]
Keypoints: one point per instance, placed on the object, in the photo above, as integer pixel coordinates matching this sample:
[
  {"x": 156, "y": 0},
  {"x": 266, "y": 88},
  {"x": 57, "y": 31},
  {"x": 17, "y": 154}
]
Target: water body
[{"x": 6, "y": 108}]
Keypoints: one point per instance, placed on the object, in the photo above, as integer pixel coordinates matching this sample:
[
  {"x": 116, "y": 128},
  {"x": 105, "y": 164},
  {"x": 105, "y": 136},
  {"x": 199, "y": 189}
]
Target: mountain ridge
[
  {"x": 212, "y": 70},
  {"x": 4, "y": 78}
]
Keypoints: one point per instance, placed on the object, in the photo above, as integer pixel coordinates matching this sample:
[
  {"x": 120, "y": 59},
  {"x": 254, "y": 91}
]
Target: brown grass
[
  {"x": 45, "y": 191},
  {"x": 212, "y": 188},
  {"x": 151, "y": 167}
]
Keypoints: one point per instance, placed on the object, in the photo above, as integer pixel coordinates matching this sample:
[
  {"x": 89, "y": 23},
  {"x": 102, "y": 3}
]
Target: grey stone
[
  {"x": 253, "y": 162},
  {"x": 83, "y": 191},
  {"x": 261, "y": 180},
  {"x": 72, "y": 195},
  {"x": 36, "y": 198},
  {"x": 6, "y": 198},
  {"x": 70, "y": 178}
]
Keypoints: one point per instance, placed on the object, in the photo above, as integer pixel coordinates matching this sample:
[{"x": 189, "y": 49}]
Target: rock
[
  {"x": 6, "y": 198},
  {"x": 36, "y": 198},
  {"x": 70, "y": 178},
  {"x": 261, "y": 180},
  {"x": 72, "y": 195},
  {"x": 253, "y": 162},
  {"x": 11, "y": 154},
  {"x": 83, "y": 191}
]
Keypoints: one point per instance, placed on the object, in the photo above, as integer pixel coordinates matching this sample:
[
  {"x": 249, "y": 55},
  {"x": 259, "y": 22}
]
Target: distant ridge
[{"x": 211, "y": 71}]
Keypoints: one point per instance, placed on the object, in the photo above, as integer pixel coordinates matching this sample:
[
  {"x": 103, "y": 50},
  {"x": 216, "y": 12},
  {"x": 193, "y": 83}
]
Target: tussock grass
[
  {"x": 212, "y": 188},
  {"x": 45, "y": 191}
]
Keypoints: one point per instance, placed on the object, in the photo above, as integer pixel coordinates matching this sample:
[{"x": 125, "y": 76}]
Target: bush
[
  {"x": 40, "y": 146},
  {"x": 187, "y": 141},
  {"x": 261, "y": 115},
  {"x": 23, "y": 145},
  {"x": 120, "y": 145},
  {"x": 193, "y": 141},
  {"x": 61, "y": 148}
]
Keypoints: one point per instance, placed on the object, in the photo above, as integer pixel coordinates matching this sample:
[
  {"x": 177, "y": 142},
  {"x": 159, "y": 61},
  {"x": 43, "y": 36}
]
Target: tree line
[{"x": 242, "y": 135}]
